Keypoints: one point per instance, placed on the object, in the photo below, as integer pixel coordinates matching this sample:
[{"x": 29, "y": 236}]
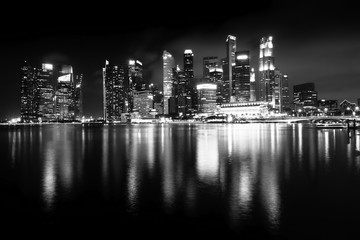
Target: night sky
[{"x": 313, "y": 42}]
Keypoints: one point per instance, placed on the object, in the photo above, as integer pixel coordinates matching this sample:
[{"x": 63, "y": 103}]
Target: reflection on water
[{"x": 246, "y": 173}]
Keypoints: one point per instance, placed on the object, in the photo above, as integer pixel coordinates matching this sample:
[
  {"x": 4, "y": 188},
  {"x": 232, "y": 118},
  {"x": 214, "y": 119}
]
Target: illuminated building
[
  {"x": 266, "y": 70},
  {"x": 78, "y": 97},
  {"x": 285, "y": 94},
  {"x": 228, "y": 65},
  {"x": 207, "y": 97},
  {"x": 28, "y": 107},
  {"x": 191, "y": 102},
  {"x": 143, "y": 103},
  {"x": 45, "y": 92},
  {"x": 64, "y": 104},
  {"x": 135, "y": 81},
  {"x": 113, "y": 92},
  {"x": 241, "y": 74},
  {"x": 305, "y": 96},
  {"x": 252, "y": 86},
  {"x": 181, "y": 92},
  {"x": 49, "y": 93},
  {"x": 208, "y": 63},
  {"x": 216, "y": 76},
  {"x": 257, "y": 109},
  {"x": 189, "y": 65},
  {"x": 168, "y": 65}
]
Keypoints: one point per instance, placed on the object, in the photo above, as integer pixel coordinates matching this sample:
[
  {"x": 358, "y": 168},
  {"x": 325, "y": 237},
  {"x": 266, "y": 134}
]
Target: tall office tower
[
  {"x": 168, "y": 65},
  {"x": 78, "y": 97},
  {"x": 28, "y": 105},
  {"x": 143, "y": 103},
  {"x": 252, "y": 86},
  {"x": 181, "y": 92},
  {"x": 113, "y": 92},
  {"x": 209, "y": 62},
  {"x": 241, "y": 74},
  {"x": 64, "y": 104},
  {"x": 230, "y": 63},
  {"x": 305, "y": 96},
  {"x": 266, "y": 70},
  {"x": 45, "y": 92},
  {"x": 207, "y": 97},
  {"x": 135, "y": 81},
  {"x": 226, "y": 87},
  {"x": 216, "y": 76},
  {"x": 285, "y": 94},
  {"x": 189, "y": 65}
]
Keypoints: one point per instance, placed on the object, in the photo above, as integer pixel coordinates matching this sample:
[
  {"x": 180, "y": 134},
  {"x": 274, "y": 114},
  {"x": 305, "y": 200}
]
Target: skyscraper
[
  {"x": 241, "y": 81},
  {"x": 266, "y": 70},
  {"x": 216, "y": 76},
  {"x": 64, "y": 102},
  {"x": 168, "y": 65},
  {"x": 28, "y": 104},
  {"x": 189, "y": 65},
  {"x": 78, "y": 97},
  {"x": 230, "y": 63},
  {"x": 45, "y": 92},
  {"x": 135, "y": 81},
  {"x": 285, "y": 94},
  {"x": 113, "y": 92},
  {"x": 209, "y": 62},
  {"x": 252, "y": 86}
]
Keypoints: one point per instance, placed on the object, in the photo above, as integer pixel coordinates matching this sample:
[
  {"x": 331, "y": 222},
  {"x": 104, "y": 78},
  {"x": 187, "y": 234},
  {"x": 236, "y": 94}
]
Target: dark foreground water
[{"x": 243, "y": 181}]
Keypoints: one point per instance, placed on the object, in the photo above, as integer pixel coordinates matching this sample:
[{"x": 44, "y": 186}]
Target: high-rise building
[
  {"x": 216, "y": 76},
  {"x": 181, "y": 92},
  {"x": 209, "y": 62},
  {"x": 78, "y": 97},
  {"x": 229, "y": 64},
  {"x": 241, "y": 76},
  {"x": 135, "y": 81},
  {"x": 64, "y": 101},
  {"x": 45, "y": 92},
  {"x": 252, "y": 86},
  {"x": 266, "y": 70},
  {"x": 285, "y": 94},
  {"x": 113, "y": 92},
  {"x": 28, "y": 103},
  {"x": 189, "y": 65},
  {"x": 191, "y": 81},
  {"x": 305, "y": 96},
  {"x": 226, "y": 87},
  {"x": 207, "y": 97},
  {"x": 143, "y": 103},
  {"x": 168, "y": 65}
]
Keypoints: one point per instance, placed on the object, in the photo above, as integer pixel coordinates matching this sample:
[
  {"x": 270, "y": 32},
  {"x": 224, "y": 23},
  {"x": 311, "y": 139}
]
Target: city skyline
[{"x": 321, "y": 48}]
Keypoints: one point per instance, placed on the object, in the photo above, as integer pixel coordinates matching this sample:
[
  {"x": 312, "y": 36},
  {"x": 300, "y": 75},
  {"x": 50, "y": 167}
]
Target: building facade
[
  {"x": 266, "y": 70},
  {"x": 113, "y": 92},
  {"x": 168, "y": 65},
  {"x": 241, "y": 81}
]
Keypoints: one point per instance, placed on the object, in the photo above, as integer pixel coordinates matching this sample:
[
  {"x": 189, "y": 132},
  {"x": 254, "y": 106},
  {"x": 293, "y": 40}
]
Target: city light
[{"x": 242, "y": 57}]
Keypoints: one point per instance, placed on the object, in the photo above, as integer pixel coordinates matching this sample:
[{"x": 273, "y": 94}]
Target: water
[{"x": 248, "y": 181}]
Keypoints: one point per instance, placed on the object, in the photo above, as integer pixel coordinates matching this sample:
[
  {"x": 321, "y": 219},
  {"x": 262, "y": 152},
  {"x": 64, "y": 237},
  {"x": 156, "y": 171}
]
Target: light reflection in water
[
  {"x": 49, "y": 173},
  {"x": 207, "y": 156},
  {"x": 168, "y": 182},
  {"x": 133, "y": 173}
]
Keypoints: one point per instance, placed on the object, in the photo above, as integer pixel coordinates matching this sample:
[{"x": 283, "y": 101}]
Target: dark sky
[{"x": 313, "y": 41}]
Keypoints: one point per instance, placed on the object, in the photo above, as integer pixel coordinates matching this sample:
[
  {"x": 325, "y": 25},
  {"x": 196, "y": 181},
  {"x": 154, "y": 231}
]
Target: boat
[{"x": 330, "y": 124}]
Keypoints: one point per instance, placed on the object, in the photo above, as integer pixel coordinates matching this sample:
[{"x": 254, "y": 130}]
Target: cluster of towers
[
  {"x": 125, "y": 92},
  {"x": 230, "y": 81},
  {"x": 50, "y": 93}
]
